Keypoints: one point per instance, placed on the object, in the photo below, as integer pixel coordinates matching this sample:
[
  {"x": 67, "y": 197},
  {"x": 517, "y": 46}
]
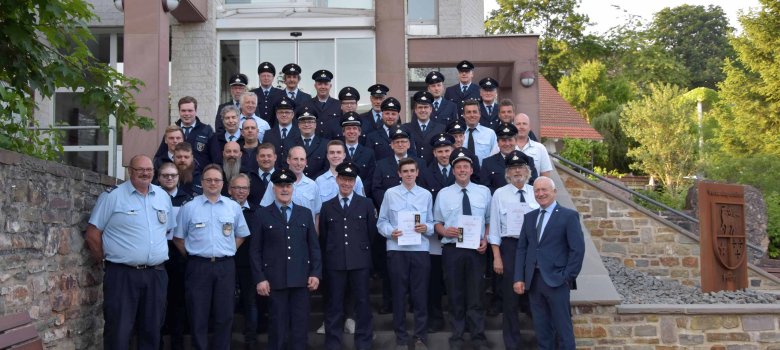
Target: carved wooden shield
[{"x": 730, "y": 238}]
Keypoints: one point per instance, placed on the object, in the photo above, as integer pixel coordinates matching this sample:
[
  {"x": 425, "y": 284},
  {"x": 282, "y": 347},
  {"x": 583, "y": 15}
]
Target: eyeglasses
[
  {"x": 168, "y": 176},
  {"x": 143, "y": 170},
  {"x": 212, "y": 181},
  {"x": 239, "y": 188}
]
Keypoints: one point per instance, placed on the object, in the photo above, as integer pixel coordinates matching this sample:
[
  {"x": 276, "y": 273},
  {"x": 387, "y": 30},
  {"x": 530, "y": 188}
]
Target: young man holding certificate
[
  {"x": 462, "y": 213},
  {"x": 406, "y": 215}
]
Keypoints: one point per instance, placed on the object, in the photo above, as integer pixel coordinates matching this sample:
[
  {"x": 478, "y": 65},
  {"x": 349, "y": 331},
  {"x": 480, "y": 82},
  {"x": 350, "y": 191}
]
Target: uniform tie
[
  {"x": 489, "y": 109},
  {"x": 539, "y": 225},
  {"x": 284, "y": 213},
  {"x": 265, "y": 179},
  {"x": 422, "y": 126},
  {"x": 352, "y": 151},
  {"x": 463, "y": 88},
  {"x": 284, "y": 133},
  {"x": 471, "y": 147},
  {"x": 377, "y": 117},
  {"x": 265, "y": 93},
  {"x": 444, "y": 172},
  {"x": 466, "y": 203},
  {"x": 232, "y": 137},
  {"x": 187, "y": 131},
  {"x": 522, "y": 197},
  {"x": 292, "y": 95},
  {"x": 307, "y": 142},
  {"x": 436, "y": 106},
  {"x": 345, "y": 199}
]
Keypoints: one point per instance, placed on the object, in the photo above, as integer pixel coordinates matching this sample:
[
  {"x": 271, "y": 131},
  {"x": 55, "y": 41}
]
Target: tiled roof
[{"x": 559, "y": 119}]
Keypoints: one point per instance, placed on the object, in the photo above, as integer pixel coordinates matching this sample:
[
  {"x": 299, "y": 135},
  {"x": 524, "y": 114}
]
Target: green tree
[
  {"x": 592, "y": 92},
  {"x": 665, "y": 133},
  {"x": 696, "y": 36},
  {"x": 615, "y": 140},
  {"x": 558, "y": 23},
  {"x": 43, "y": 48}
]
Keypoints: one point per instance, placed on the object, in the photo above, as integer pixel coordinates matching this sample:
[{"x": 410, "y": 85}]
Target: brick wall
[
  {"x": 643, "y": 241},
  {"x": 45, "y": 268}
]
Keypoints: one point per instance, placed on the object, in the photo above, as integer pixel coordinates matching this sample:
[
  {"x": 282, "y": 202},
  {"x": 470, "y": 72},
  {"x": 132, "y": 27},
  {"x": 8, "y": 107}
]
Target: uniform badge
[
  {"x": 162, "y": 217},
  {"x": 227, "y": 228},
  {"x": 292, "y": 69},
  {"x": 201, "y": 146}
]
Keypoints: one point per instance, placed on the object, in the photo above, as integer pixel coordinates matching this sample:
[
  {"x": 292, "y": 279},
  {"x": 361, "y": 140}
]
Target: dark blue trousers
[
  {"x": 133, "y": 297},
  {"x": 249, "y": 301},
  {"x": 463, "y": 269},
  {"x": 210, "y": 294},
  {"x": 339, "y": 283},
  {"x": 552, "y": 314},
  {"x": 409, "y": 272},
  {"x": 175, "y": 312},
  {"x": 435, "y": 293},
  {"x": 289, "y": 311},
  {"x": 510, "y": 301}
]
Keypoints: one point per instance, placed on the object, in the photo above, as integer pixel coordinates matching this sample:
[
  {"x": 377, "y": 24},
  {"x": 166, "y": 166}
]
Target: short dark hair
[
  {"x": 266, "y": 145},
  {"x": 242, "y": 176},
  {"x": 336, "y": 143},
  {"x": 213, "y": 166},
  {"x": 506, "y": 102},
  {"x": 471, "y": 102},
  {"x": 183, "y": 146},
  {"x": 188, "y": 99},
  {"x": 407, "y": 161}
]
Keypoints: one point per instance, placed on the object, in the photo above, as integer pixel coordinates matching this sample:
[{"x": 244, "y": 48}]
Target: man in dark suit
[
  {"x": 292, "y": 77},
  {"x": 284, "y": 127},
  {"x": 230, "y": 133},
  {"x": 267, "y": 94},
  {"x": 357, "y": 153},
  {"x": 316, "y": 147},
  {"x": 464, "y": 90},
  {"x": 423, "y": 129},
  {"x": 372, "y": 119},
  {"x": 322, "y": 105},
  {"x": 286, "y": 263},
  {"x": 379, "y": 139},
  {"x": 347, "y": 225},
  {"x": 261, "y": 176},
  {"x": 488, "y": 109},
  {"x": 348, "y": 97},
  {"x": 549, "y": 257},
  {"x": 444, "y": 110},
  {"x": 237, "y": 83}
]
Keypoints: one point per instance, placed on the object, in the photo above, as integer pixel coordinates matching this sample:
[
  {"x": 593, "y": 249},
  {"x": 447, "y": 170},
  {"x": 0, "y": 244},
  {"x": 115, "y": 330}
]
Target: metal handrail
[
  {"x": 623, "y": 187},
  {"x": 113, "y": 147}
]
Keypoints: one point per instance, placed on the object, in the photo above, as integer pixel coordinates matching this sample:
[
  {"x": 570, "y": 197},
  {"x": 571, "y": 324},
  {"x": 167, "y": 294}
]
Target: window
[{"x": 422, "y": 17}]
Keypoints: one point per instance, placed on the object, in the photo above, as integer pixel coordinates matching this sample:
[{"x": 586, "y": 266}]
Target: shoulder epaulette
[{"x": 108, "y": 190}]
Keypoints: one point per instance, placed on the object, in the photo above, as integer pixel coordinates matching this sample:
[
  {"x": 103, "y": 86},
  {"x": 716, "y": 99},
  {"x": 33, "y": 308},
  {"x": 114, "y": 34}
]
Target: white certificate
[
  {"x": 514, "y": 217},
  {"x": 406, "y": 222},
  {"x": 473, "y": 230}
]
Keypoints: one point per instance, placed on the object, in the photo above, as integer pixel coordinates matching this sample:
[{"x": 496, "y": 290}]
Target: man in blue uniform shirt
[
  {"x": 408, "y": 262},
  {"x": 326, "y": 183},
  {"x": 347, "y": 226},
  {"x": 444, "y": 110},
  {"x": 464, "y": 90},
  {"x": 286, "y": 264},
  {"x": 210, "y": 228},
  {"x": 127, "y": 232},
  {"x": 464, "y": 267}
]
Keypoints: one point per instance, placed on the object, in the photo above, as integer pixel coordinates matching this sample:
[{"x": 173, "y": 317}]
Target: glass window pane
[
  {"x": 356, "y": 65},
  {"x": 229, "y": 52},
  {"x": 69, "y": 111},
  {"x": 95, "y": 161},
  {"x": 349, "y": 4},
  {"x": 314, "y": 55},
  {"x": 421, "y": 11},
  {"x": 278, "y": 53}
]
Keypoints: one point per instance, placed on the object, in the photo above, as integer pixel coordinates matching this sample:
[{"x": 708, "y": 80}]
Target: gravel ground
[{"x": 640, "y": 288}]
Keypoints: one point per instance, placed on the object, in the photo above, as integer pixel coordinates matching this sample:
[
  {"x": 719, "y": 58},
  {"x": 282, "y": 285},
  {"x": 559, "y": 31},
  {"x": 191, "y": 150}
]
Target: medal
[
  {"x": 162, "y": 216},
  {"x": 227, "y": 228}
]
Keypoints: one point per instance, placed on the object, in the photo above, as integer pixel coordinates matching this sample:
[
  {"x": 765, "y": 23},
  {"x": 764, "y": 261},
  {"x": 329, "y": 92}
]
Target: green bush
[
  {"x": 586, "y": 153},
  {"x": 773, "y": 224},
  {"x": 675, "y": 200}
]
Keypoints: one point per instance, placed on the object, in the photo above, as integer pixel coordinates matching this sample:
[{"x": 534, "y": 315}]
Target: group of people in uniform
[{"x": 292, "y": 194}]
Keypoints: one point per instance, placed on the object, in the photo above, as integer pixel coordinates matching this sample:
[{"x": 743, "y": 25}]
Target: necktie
[
  {"x": 284, "y": 133},
  {"x": 422, "y": 126},
  {"x": 187, "y": 131},
  {"x": 307, "y": 142},
  {"x": 444, "y": 172},
  {"x": 265, "y": 93},
  {"x": 292, "y": 95},
  {"x": 345, "y": 199},
  {"x": 539, "y": 226},
  {"x": 489, "y": 109},
  {"x": 323, "y": 104},
  {"x": 522, "y": 197},
  {"x": 466, "y": 205},
  {"x": 463, "y": 88},
  {"x": 284, "y": 212},
  {"x": 237, "y": 104},
  {"x": 470, "y": 147},
  {"x": 436, "y": 106},
  {"x": 352, "y": 151},
  {"x": 232, "y": 137},
  {"x": 265, "y": 179},
  {"x": 377, "y": 117}
]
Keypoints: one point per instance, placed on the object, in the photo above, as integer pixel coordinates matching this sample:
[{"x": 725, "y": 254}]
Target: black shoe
[
  {"x": 420, "y": 345},
  {"x": 384, "y": 310}
]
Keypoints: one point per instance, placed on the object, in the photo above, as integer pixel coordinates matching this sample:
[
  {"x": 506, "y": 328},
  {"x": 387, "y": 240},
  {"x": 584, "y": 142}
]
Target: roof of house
[{"x": 559, "y": 119}]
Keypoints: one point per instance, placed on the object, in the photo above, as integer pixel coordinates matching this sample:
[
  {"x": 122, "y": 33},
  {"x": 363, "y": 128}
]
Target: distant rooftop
[{"x": 559, "y": 119}]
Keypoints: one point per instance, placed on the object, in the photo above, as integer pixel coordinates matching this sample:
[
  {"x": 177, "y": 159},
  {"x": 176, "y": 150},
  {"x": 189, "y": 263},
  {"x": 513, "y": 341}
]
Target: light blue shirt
[
  {"x": 485, "y": 142},
  {"x": 305, "y": 194},
  {"x": 235, "y": 135},
  {"x": 210, "y": 229},
  {"x": 546, "y": 218},
  {"x": 399, "y": 199},
  {"x": 326, "y": 184},
  {"x": 288, "y": 213},
  {"x": 449, "y": 202},
  {"x": 134, "y": 225},
  {"x": 503, "y": 198}
]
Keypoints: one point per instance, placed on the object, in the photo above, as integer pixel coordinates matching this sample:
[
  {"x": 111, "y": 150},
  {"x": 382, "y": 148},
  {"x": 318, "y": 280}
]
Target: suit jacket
[
  {"x": 560, "y": 252},
  {"x": 251, "y": 215},
  {"x": 368, "y": 122},
  {"x": 422, "y": 140},
  {"x": 219, "y": 127},
  {"x": 316, "y": 160},
  {"x": 432, "y": 180},
  {"x": 300, "y": 97},
  {"x": 256, "y": 186},
  {"x": 454, "y": 94},
  {"x": 285, "y": 253},
  {"x": 446, "y": 114},
  {"x": 488, "y": 120},
  {"x": 492, "y": 172},
  {"x": 217, "y": 145},
  {"x": 199, "y": 140},
  {"x": 386, "y": 176},
  {"x": 274, "y": 136},
  {"x": 331, "y": 110},
  {"x": 265, "y": 105},
  {"x": 332, "y": 129},
  {"x": 379, "y": 142},
  {"x": 345, "y": 235},
  {"x": 365, "y": 160}
]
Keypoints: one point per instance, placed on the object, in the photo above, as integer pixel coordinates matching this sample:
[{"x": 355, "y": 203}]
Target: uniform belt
[
  {"x": 448, "y": 244},
  {"x": 211, "y": 259},
  {"x": 137, "y": 267},
  {"x": 509, "y": 237}
]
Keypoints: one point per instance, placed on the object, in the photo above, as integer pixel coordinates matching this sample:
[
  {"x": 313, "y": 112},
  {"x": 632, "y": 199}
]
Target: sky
[{"x": 604, "y": 16}]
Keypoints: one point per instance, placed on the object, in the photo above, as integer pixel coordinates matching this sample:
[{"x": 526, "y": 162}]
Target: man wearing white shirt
[
  {"x": 248, "y": 109},
  {"x": 531, "y": 148},
  {"x": 326, "y": 183},
  {"x": 509, "y": 204},
  {"x": 305, "y": 191}
]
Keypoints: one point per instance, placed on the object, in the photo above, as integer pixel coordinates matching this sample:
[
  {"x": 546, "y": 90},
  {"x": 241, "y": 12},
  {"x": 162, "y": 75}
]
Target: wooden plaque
[{"x": 723, "y": 238}]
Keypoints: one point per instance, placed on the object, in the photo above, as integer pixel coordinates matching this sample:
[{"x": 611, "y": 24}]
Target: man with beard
[
  {"x": 189, "y": 173},
  {"x": 292, "y": 76},
  {"x": 306, "y": 193},
  {"x": 237, "y": 83},
  {"x": 464, "y": 90},
  {"x": 248, "y": 110},
  {"x": 261, "y": 176},
  {"x": 230, "y": 132},
  {"x": 493, "y": 174},
  {"x": 284, "y": 127},
  {"x": 444, "y": 110},
  {"x": 322, "y": 105},
  {"x": 533, "y": 149},
  {"x": 196, "y": 133},
  {"x": 349, "y": 98},
  {"x": 175, "y": 313},
  {"x": 326, "y": 183},
  {"x": 509, "y": 202},
  {"x": 267, "y": 94},
  {"x": 423, "y": 129},
  {"x": 251, "y": 141},
  {"x": 231, "y": 161},
  {"x": 372, "y": 119},
  {"x": 126, "y": 233},
  {"x": 173, "y": 136},
  {"x": 210, "y": 228}
]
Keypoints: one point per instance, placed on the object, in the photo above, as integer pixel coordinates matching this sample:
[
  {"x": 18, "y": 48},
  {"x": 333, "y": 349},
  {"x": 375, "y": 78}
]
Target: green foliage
[
  {"x": 759, "y": 171},
  {"x": 560, "y": 26},
  {"x": 586, "y": 153},
  {"x": 697, "y": 37},
  {"x": 43, "y": 47},
  {"x": 615, "y": 140},
  {"x": 592, "y": 92},
  {"x": 773, "y": 224},
  {"x": 674, "y": 199},
  {"x": 666, "y": 135}
]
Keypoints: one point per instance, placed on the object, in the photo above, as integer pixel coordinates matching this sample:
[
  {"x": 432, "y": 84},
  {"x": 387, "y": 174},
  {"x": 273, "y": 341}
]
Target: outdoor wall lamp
[
  {"x": 527, "y": 78},
  {"x": 168, "y": 5}
]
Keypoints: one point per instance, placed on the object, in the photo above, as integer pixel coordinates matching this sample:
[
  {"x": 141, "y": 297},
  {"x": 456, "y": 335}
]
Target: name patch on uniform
[
  {"x": 162, "y": 217},
  {"x": 200, "y": 225},
  {"x": 227, "y": 228}
]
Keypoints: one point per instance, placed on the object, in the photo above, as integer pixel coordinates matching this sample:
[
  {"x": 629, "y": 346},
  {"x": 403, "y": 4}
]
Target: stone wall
[
  {"x": 45, "y": 269},
  {"x": 461, "y": 17},
  {"x": 662, "y": 327},
  {"x": 620, "y": 228}
]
